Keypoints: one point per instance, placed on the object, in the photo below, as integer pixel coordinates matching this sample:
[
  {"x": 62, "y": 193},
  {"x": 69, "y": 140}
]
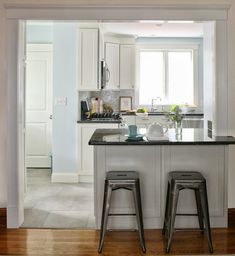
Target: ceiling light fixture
[
  {"x": 180, "y": 21},
  {"x": 152, "y": 21}
]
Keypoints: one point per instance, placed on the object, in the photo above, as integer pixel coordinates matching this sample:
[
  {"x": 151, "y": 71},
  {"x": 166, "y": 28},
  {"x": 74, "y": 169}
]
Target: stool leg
[
  {"x": 205, "y": 209},
  {"x": 104, "y": 220},
  {"x": 166, "y": 209},
  {"x": 139, "y": 215},
  {"x": 174, "y": 195},
  {"x": 199, "y": 209}
]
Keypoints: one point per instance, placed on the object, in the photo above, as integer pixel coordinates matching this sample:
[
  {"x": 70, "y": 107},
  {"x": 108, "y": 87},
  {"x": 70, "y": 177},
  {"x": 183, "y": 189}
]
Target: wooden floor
[{"x": 85, "y": 242}]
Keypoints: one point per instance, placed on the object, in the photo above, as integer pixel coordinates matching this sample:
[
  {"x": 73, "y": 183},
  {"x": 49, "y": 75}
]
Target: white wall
[
  {"x": 231, "y": 101},
  {"x": 209, "y": 74},
  {"x": 64, "y": 140},
  {"x": 38, "y": 33},
  {"x": 63, "y": 36},
  {"x": 3, "y": 109},
  {"x": 231, "y": 69}
]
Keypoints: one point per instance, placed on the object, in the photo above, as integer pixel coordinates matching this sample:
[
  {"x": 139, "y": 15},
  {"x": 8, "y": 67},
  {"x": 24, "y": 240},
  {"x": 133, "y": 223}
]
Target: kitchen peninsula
[{"x": 193, "y": 151}]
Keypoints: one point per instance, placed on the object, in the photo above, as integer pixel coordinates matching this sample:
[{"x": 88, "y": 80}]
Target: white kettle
[{"x": 156, "y": 130}]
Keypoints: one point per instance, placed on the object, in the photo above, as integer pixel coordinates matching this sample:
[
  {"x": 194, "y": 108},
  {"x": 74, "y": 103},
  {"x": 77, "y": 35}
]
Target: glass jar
[{"x": 178, "y": 128}]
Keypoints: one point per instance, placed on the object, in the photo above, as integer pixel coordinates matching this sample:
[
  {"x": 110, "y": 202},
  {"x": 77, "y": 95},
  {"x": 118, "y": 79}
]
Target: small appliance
[{"x": 84, "y": 109}]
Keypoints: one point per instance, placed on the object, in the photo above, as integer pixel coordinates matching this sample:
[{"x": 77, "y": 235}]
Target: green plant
[
  {"x": 141, "y": 110},
  {"x": 175, "y": 114}
]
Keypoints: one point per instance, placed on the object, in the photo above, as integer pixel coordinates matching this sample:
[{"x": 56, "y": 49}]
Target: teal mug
[{"x": 132, "y": 130}]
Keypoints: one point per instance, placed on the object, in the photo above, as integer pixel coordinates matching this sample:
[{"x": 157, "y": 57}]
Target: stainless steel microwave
[{"x": 105, "y": 74}]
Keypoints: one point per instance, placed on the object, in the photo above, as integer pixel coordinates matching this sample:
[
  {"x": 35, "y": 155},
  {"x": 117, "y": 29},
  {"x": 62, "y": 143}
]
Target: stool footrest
[
  {"x": 121, "y": 214},
  {"x": 188, "y": 229},
  {"x": 186, "y": 214}
]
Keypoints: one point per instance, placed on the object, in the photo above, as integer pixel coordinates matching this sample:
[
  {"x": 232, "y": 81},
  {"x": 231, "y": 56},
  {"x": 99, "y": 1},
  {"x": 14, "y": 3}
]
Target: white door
[
  {"x": 127, "y": 66},
  {"x": 112, "y": 61},
  {"x": 38, "y": 105}
]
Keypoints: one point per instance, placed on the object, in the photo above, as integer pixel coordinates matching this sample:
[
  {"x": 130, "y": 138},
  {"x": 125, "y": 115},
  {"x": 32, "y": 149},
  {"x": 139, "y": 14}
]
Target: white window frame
[{"x": 165, "y": 49}]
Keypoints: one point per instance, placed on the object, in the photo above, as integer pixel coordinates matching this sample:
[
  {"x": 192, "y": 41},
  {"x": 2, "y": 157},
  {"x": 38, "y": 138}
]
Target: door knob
[{"x": 50, "y": 117}]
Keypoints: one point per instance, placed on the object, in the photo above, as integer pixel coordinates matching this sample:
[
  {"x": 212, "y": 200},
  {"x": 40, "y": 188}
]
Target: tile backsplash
[{"x": 109, "y": 97}]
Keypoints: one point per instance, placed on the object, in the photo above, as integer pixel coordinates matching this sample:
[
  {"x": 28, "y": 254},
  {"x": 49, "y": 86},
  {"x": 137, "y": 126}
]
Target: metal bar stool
[
  {"x": 128, "y": 180},
  {"x": 179, "y": 180}
]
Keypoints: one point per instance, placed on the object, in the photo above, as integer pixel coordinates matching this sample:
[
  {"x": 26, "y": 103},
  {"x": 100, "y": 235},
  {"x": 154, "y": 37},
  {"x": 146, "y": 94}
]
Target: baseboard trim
[
  {"x": 3, "y": 217},
  {"x": 64, "y": 178},
  {"x": 231, "y": 217},
  {"x": 86, "y": 178},
  {"x": 3, "y": 211}
]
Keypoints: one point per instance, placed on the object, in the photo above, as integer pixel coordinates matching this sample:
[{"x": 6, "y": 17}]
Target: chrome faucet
[{"x": 155, "y": 103}]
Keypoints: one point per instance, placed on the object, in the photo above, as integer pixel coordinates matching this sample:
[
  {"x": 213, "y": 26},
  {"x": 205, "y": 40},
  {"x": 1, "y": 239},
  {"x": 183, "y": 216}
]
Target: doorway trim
[{"x": 17, "y": 12}]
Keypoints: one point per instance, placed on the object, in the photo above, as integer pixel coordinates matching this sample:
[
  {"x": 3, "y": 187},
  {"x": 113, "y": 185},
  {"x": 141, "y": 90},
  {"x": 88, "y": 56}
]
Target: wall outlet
[
  {"x": 61, "y": 101},
  {"x": 209, "y": 128},
  {"x": 209, "y": 125}
]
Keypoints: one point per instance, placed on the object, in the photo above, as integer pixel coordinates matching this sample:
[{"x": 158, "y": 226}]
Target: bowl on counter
[{"x": 142, "y": 114}]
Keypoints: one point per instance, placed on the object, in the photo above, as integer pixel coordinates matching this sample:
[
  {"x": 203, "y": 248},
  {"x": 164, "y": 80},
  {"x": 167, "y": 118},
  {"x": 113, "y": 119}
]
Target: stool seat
[
  {"x": 183, "y": 176},
  {"x": 128, "y": 180},
  {"x": 122, "y": 175},
  {"x": 177, "y": 181}
]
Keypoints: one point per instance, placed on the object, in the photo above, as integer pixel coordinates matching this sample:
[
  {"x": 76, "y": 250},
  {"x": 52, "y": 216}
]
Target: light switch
[{"x": 61, "y": 101}]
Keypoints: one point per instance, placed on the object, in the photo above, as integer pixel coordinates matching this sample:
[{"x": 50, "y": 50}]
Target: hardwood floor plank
[
  {"x": 85, "y": 242},
  {"x": 3, "y": 217},
  {"x": 231, "y": 217}
]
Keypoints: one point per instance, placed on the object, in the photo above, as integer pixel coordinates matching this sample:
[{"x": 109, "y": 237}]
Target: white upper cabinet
[
  {"x": 127, "y": 66},
  {"x": 112, "y": 61},
  {"x": 88, "y": 59}
]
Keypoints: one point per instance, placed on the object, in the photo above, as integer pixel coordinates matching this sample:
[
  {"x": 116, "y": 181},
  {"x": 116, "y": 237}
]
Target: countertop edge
[
  {"x": 98, "y": 122},
  {"x": 97, "y": 139}
]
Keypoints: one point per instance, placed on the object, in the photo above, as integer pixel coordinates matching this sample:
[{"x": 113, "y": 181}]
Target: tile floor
[{"x": 57, "y": 205}]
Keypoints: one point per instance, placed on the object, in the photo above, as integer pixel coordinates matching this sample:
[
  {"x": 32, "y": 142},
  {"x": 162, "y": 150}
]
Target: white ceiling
[
  {"x": 155, "y": 29},
  {"x": 145, "y": 28}
]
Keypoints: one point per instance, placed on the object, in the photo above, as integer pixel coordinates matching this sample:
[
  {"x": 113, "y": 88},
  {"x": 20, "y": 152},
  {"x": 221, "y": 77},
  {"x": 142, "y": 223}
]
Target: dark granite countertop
[
  {"x": 189, "y": 136},
  {"x": 161, "y": 114},
  {"x": 88, "y": 121}
]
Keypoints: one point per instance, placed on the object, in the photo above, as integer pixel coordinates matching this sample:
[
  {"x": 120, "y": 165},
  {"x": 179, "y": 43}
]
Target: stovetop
[{"x": 105, "y": 117}]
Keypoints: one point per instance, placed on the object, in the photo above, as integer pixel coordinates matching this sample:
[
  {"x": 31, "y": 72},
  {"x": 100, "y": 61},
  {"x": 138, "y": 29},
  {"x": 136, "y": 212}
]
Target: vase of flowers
[{"x": 176, "y": 117}]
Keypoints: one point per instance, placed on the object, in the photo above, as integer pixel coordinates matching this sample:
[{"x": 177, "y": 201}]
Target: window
[{"x": 169, "y": 73}]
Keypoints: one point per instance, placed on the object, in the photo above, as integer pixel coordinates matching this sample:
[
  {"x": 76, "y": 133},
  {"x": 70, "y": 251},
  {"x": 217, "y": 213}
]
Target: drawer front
[
  {"x": 150, "y": 119},
  {"x": 143, "y": 120}
]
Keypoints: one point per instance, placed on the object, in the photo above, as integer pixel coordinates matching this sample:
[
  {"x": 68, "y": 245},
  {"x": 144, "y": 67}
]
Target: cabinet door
[
  {"x": 112, "y": 61},
  {"x": 85, "y": 151},
  {"x": 129, "y": 120},
  {"x": 144, "y": 122},
  {"x": 158, "y": 118},
  {"x": 88, "y": 59},
  {"x": 127, "y": 66}
]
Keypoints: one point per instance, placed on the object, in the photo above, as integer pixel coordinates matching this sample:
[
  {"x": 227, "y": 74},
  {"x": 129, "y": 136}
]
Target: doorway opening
[
  {"x": 17, "y": 14},
  {"x": 56, "y": 194}
]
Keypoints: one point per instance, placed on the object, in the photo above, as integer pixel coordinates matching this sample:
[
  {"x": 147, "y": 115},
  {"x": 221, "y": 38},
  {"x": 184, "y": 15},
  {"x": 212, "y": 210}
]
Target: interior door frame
[{"x": 47, "y": 11}]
